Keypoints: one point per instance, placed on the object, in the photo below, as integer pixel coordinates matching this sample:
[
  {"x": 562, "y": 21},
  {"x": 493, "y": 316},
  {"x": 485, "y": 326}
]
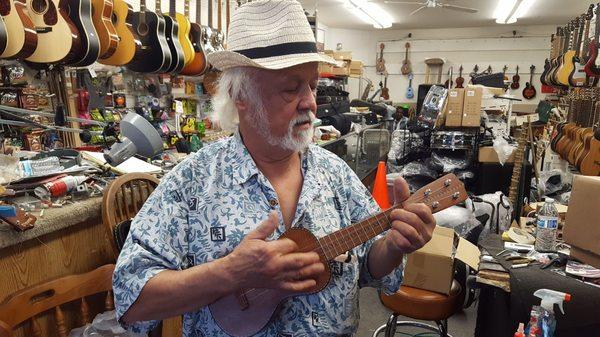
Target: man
[{"x": 209, "y": 229}]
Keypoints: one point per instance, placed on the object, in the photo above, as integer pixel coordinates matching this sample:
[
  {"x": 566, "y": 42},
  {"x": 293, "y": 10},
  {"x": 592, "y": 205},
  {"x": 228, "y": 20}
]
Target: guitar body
[
  {"x": 80, "y": 12},
  {"x": 590, "y": 165},
  {"x": 578, "y": 77},
  {"x": 21, "y": 38},
  {"x": 261, "y": 304},
  {"x": 575, "y": 146},
  {"x": 153, "y": 55},
  {"x": 555, "y": 66},
  {"x": 566, "y": 68},
  {"x": 529, "y": 91},
  {"x": 583, "y": 147},
  {"x": 128, "y": 41},
  {"x": 558, "y": 133},
  {"x": 590, "y": 66},
  {"x": 57, "y": 35},
  {"x": 563, "y": 139},
  {"x": 184, "y": 37},
  {"x": 406, "y": 67},
  {"x": 109, "y": 40},
  {"x": 171, "y": 34},
  {"x": 198, "y": 65}
]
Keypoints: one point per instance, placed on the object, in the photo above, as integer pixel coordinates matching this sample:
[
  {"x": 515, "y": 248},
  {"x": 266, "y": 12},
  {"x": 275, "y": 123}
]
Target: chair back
[
  {"x": 30, "y": 302},
  {"x": 123, "y": 199}
]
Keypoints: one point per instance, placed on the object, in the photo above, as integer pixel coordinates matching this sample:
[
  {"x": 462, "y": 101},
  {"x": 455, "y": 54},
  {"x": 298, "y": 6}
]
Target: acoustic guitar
[
  {"x": 380, "y": 64},
  {"x": 566, "y": 60},
  {"x": 590, "y": 165},
  {"x": 529, "y": 91},
  {"x": 109, "y": 40},
  {"x": 460, "y": 80},
  {"x": 410, "y": 94},
  {"x": 184, "y": 31},
  {"x": 57, "y": 35},
  {"x": 88, "y": 48},
  {"x": 515, "y": 80},
  {"x": 406, "y": 66},
  {"x": 153, "y": 54},
  {"x": 20, "y": 38},
  {"x": 172, "y": 36},
  {"x": 247, "y": 311},
  {"x": 198, "y": 65},
  {"x": 128, "y": 39}
]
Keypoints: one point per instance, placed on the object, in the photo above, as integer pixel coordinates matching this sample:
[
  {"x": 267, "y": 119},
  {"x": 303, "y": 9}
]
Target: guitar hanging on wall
[
  {"x": 410, "y": 94},
  {"x": 515, "y": 80},
  {"x": 529, "y": 91},
  {"x": 153, "y": 54},
  {"x": 406, "y": 66},
  {"x": 380, "y": 64},
  {"x": 172, "y": 36},
  {"x": 198, "y": 65},
  {"x": 20, "y": 37},
  {"x": 460, "y": 80},
  {"x": 247, "y": 311},
  {"x": 385, "y": 92},
  {"x": 128, "y": 38},
  {"x": 88, "y": 48}
]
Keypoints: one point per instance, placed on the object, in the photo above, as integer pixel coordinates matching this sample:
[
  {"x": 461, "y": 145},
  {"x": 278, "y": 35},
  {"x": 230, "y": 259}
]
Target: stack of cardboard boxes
[
  {"x": 464, "y": 107},
  {"x": 348, "y": 66}
]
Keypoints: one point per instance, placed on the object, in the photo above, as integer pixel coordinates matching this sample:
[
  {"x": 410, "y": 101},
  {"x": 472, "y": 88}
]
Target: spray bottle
[{"x": 547, "y": 321}]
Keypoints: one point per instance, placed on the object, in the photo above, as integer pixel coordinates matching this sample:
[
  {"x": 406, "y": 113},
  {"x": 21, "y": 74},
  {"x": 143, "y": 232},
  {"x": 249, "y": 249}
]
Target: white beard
[{"x": 299, "y": 142}]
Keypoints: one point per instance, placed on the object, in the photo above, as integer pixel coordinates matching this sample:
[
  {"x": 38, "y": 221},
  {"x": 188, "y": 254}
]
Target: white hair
[{"x": 235, "y": 84}]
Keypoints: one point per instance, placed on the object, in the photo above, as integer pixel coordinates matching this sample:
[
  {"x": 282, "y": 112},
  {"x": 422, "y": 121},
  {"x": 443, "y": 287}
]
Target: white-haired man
[{"x": 209, "y": 228}]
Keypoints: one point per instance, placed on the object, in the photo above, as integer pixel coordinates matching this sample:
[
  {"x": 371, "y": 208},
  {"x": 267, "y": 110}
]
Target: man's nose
[{"x": 307, "y": 99}]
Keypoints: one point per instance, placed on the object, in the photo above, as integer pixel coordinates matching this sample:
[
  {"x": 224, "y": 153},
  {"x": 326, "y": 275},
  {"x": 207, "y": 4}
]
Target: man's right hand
[{"x": 258, "y": 263}]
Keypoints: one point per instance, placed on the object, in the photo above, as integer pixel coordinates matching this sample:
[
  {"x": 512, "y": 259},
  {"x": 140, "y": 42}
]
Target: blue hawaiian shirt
[{"x": 204, "y": 207}]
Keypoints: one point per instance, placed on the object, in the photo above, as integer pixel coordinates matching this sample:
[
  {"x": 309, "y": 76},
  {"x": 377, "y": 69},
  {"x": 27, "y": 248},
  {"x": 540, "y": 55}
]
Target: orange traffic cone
[{"x": 380, "y": 192}]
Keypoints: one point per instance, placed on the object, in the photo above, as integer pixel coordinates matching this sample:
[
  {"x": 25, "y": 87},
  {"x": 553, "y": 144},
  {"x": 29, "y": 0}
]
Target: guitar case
[{"x": 495, "y": 80}]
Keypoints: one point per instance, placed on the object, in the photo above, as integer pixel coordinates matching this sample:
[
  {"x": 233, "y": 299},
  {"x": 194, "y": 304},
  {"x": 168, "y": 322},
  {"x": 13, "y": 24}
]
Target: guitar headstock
[{"x": 445, "y": 192}]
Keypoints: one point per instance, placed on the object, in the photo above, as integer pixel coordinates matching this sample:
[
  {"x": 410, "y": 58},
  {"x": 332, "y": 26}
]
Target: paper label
[
  {"x": 547, "y": 222},
  {"x": 470, "y": 93},
  {"x": 178, "y": 107},
  {"x": 453, "y": 94}
]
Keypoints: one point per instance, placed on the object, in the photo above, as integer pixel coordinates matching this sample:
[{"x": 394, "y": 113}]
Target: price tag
[{"x": 178, "y": 107}]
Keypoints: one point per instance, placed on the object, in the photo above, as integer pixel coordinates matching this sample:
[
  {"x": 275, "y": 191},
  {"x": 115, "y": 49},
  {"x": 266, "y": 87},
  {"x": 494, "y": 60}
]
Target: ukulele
[
  {"x": 247, "y": 311},
  {"x": 460, "y": 80},
  {"x": 153, "y": 54},
  {"x": 172, "y": 36},
  {"x": 529, "y": 91},
  {"x": 380, "y": 64},
  {"x": 128, "y": 38},
  {"x": 406, "y": 66},
  {"x": 590, "y": 67},
  {"x": 20, "y": 38},
  {"x": 385, "y": 92},
  {"x": 87, "y": 50},
  {"x": 198, "y": 64},
  {"x": 109, "y": 40},
  {"x": 56, "y": 33},
  {"x": 515, "y": 80},
  {"x": 410, "y": 94}
]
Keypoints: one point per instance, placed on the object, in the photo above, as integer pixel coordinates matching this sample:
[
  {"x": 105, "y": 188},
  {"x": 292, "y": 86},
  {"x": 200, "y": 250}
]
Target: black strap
[{"x": 279, "y": 50}]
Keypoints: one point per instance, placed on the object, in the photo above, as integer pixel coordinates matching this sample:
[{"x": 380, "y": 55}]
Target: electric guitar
[
  {"x": 20, "y": 38},
  {"x": 57, "y": 35},
  {"x": 578, "y": 77},
  {"x": 566, "y": 61},
  {"x": 109, "y": 40},
  {"x": 198, "y": 65},
  {"x": 247, "y": 311},
  {"x": 172, "y": 35},
  {"x": 184, "y": 32},
  {"x": 590, "y": 67},
  {"x": 128, "y": 39},
  {"x": 563, "y": 47},
  {"x": 529, "y": 91},
  {"x": 547, "y": 61},
  {"x": 559, "y": 41},
  {"x": 410, "y": 94},
  {"x": 153, "y": 55},
  {"x": 460, "y": 80},
  {"x": 80, "y": 12}
]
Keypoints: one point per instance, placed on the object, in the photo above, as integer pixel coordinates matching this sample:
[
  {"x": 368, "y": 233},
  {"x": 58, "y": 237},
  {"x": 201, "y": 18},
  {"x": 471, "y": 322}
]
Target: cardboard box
[
  {"x": 454, "y": 108},
  {"x": 342, "y": 55},
  {"x": 432, "y": 266},
  {"x": 356, "y": 68},
  {"x": 472, "y": 107},
  {"x": 487, "y": 154},
  {"x": 582, "y": 227},
  {"x": 325, "y": 68},
  {"x": 342, "y": 71}
]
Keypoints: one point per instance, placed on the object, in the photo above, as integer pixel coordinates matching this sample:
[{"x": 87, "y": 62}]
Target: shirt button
[{"x": 273, "y": 202}]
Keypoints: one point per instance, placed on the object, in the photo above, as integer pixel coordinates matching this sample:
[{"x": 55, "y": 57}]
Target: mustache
[{"x": 305, "y": 116}]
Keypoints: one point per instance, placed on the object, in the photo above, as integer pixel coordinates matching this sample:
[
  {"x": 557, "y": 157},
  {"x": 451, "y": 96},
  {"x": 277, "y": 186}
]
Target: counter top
[{"x": 53, "y": 220}]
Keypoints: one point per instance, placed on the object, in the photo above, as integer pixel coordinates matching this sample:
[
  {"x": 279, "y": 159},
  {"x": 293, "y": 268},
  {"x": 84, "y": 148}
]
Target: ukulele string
[{"x": 313, "y": 247}]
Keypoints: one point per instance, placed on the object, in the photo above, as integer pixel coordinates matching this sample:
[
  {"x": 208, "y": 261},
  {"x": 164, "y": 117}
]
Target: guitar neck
[
  {"x": 219, "y": 9},
  {"x": 439, "y": 195},
  {"x": 513, "y": 191},
  {"x": 210, "y": 13},
  {"x": 143, "y": 6},
  {"x": 186, "y": 9},
  {"x": 198, "y": 11},
  {"x": 172, "y": 8},
  {"x": 158, "y": 6}
]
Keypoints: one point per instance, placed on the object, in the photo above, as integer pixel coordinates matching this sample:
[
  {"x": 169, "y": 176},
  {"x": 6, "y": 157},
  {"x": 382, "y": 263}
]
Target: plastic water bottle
[{"x": 547, "y": 226}]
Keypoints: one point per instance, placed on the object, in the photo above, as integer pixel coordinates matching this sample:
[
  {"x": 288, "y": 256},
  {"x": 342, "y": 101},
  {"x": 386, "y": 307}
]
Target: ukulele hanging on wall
[
  {"x": 406, "y": 66},
  {"x": 380, "y": 65},
  {"x": 515, "y": 80}
]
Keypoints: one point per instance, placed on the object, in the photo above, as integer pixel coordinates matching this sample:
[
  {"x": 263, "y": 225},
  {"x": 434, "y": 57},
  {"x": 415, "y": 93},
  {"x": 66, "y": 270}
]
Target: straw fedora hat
[{"x": 269, "y": 34}]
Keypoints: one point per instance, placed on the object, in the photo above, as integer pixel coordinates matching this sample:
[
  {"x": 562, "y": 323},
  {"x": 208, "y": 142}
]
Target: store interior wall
[{"x": 483, "y": 46}]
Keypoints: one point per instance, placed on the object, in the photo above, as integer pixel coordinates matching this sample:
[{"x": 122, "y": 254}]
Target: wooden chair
[
  {"x": 123, "y": 199},
  {"x": 28, "y": 303}
]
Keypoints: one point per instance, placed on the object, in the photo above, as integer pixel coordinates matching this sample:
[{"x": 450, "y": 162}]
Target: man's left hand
[{"x": 412, "y": 226}]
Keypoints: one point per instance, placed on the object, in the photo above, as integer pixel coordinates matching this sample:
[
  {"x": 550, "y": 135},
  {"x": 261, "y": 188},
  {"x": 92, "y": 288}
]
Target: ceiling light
[
  {"x": 370, "y": 13},
  {"x": 508, "y": 11}
]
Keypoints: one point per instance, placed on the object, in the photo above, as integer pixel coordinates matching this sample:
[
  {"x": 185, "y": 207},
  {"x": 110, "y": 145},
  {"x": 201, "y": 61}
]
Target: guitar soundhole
[
  {"x": 39, "y": 6},
  {"x": 143, "y": 29},
  {"x": 114, "y": 18}
]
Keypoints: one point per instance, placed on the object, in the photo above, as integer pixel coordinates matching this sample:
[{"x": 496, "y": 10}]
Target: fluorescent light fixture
[
  {"x": 508, "y": 11},
  {"x": 370, "y": 13}
]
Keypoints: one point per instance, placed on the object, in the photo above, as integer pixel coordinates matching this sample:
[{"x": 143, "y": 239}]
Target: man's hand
[
  {"x": 257, "y": 263},
  {"x": 412, "y": 226}
]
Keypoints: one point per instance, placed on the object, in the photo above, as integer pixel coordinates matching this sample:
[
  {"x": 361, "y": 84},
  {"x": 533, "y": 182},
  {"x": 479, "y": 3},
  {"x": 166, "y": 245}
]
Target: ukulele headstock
[{"x": 444, "y": 192}]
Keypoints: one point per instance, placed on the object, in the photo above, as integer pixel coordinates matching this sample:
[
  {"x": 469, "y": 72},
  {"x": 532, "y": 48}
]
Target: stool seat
[{"x": 423, "y": 304}]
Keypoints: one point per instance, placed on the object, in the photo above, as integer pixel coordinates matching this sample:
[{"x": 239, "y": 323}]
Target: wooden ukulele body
[{"x": 244, "y": 315}]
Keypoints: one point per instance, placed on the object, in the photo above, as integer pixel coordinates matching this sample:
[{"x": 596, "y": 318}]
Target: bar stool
[{"x": 423, "y": 305}]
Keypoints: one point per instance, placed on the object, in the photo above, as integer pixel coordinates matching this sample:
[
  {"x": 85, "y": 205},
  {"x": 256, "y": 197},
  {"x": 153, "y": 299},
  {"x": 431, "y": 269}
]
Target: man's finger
[
  {"x": 265, "y": 228},
  {"x": 401, "y": 190},
  {"x": 295, "y": 261},
  {"x": 297, "y": 286}
]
